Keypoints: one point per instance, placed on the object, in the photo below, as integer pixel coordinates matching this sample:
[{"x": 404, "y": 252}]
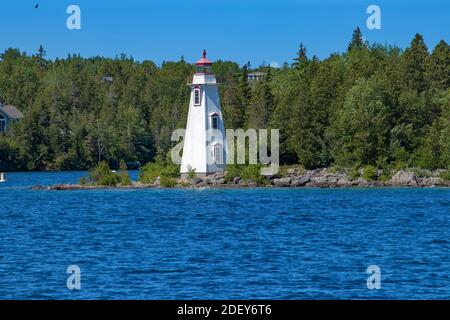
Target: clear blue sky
[{"x": 239, "y": 30}]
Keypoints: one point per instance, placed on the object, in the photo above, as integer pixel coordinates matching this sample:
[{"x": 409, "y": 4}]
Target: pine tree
[
  {"x": 41, "y": 54},
  {"x": 438, "y": 67},
  {"x": 301, "y": 58},
  {"x": 415, "y": 59},
  {"x": 357, "y": 41}
]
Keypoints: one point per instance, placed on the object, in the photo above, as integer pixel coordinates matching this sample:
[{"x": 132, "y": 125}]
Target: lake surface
[{"x": 221, "y": 244}]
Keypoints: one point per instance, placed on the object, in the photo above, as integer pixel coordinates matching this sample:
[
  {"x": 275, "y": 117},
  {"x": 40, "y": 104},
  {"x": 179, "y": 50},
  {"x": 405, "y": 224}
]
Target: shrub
[
  {"x": 251, "y": 172},
  {"x": 191, "y": 173},
  {"x": 124, "y": 179},
  {"x": 103, "y": 176},
  {"x": 233, "y": 171},
  {"x": 123, "y": 165},
  {"x": 184, "y": 184},
  {"x": 354, "y": 173},
  {"x": 370, "y": 173},
  {"x": 168, "y": 182},
  {"x": 445, "y": 176},
  {"x": 336, "y": 169},
  {"x": 153, "y": 170}
]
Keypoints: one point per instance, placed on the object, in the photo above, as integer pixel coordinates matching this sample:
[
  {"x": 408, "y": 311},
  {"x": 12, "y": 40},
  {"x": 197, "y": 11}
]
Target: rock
[
  {"x": 293, "y": 172},
  {"x": 214, "y": 179},
  {"x": 282, "y": 182},
  {"x": 324, "y": 181},
  {"x": 217, "y": 175},
  {"x": 197, "y": 181},
  {"x": 209, "y": 180},
  {"x": 183, "y": 181},
  {"x": 431, "y": 181},
  {"x": 360, "y": 182},
  {"x": 343, "y": 181},
  {"x": 438, "y": 172},
  {"x": 236, "y": 180},
  {"x": 315, "y": 172},
  {"x": 404, "y": 178},
  {"x": 300, "y": 182}
]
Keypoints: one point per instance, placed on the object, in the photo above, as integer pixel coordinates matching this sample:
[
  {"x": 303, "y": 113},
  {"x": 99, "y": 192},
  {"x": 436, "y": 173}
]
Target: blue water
[{"x": 221, "y": 244}]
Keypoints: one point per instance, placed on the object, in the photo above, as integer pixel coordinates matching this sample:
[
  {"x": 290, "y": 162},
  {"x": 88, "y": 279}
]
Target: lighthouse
[{"x": 204, "y": 148}]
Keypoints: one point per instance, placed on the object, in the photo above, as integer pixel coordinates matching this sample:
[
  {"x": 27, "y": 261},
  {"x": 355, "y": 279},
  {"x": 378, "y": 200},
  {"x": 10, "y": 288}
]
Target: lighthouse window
[
  {"x": 215, "y": 122},
  {"x": 203, "y": 69},
  {"x": 197, "y": 97},
  {"x": 217, "y": 149}
]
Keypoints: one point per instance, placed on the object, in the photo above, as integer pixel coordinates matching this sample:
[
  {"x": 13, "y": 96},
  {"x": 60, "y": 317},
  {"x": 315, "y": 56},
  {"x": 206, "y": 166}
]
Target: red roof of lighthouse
[{"x": 203, "y": 61}]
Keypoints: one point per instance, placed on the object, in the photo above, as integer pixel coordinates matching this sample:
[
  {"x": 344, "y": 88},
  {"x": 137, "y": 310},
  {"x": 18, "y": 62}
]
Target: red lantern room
[{"x": 203, "y": 65}]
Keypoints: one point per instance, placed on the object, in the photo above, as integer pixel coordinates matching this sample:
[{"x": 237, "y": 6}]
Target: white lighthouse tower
[{"x": 204, "y": 149}]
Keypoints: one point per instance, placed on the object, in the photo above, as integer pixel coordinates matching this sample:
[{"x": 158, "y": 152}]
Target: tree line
[{"x": 370, "y": 105}]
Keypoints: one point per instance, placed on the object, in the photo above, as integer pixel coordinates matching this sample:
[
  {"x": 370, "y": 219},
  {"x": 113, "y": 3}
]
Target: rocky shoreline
[{"x": 293, "y": 178}]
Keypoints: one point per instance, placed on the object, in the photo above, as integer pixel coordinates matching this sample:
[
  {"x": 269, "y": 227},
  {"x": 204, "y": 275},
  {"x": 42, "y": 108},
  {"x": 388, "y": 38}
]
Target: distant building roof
[
  {"x": 257, "y": 73},
  {"x": 11, "y": 112},
  {"x": 256, "y": 76}
]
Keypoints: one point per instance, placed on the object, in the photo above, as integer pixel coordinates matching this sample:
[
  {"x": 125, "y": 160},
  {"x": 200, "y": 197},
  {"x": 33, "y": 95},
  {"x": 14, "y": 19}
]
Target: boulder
[
  {"x": 300, "y": 182},
  {"x": 236, "y": 180},
  {"x": 197, "y": 181},
  {"x": 404, "y": 178},
  {"x": 183, "y": 181},
  {"x": 343, "y": 180},
  {"x": 214, "y": 179},
  {"x": 326, "y": 180},
  {"x": 316, "y": 172},
  {"x": 218, "y": 175},
  {"x": 282, "y": 182},
  {"x": 360, "y": 182},
  {"x": 431, "y": 181}
]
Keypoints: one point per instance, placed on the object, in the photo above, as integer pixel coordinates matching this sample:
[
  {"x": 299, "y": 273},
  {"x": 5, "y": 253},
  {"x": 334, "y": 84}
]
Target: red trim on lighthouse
[{"x": 203, "y": 61}]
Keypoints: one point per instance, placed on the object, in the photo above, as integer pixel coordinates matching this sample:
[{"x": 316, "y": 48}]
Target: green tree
[
  {"x": 414, "y": 64},
  {"x": 357, "y": 41},
  {"x": 301, "y": 59},
  {"x": 438, "y": 67},
  {"x": 361, "y": 128}
]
